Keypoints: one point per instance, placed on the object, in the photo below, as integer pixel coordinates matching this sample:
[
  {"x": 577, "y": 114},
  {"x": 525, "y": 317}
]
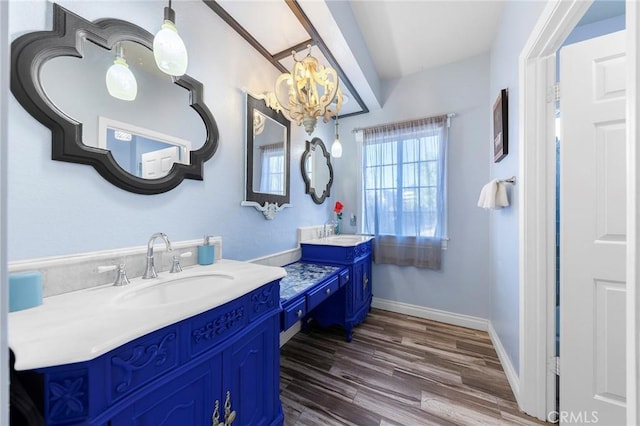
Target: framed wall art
[{"x": 501, "y": 126}]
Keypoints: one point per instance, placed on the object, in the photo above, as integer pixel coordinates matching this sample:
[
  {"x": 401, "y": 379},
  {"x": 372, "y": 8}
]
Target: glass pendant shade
[
  {"x": 169, "y": 50},
  {"x": 336, "y": 148},
  {"x": 121, "y": 83}
]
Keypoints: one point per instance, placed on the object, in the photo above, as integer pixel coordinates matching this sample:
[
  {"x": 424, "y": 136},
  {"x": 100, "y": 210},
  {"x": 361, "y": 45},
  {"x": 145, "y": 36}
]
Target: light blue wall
[
  {"x": 462, "y": 286},
  {"x": 516, "y": 24},
  {"x": 57, "y": 208}
]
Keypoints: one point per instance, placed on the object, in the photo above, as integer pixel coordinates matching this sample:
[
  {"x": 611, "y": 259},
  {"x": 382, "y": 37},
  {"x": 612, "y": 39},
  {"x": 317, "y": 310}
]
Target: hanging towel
[{"x": 493, "y": 195}]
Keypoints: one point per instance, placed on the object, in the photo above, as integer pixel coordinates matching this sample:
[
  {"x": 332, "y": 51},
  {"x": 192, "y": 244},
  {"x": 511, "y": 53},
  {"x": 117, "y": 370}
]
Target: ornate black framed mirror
[
  {"x": 268, "y": 146},
  {"x": 317, "y": 171},
  {"x": 147, "y": 144}
]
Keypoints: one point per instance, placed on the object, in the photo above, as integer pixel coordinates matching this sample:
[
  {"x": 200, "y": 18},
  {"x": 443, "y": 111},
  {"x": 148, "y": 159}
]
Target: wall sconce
[
  {"x": 121, "y": 83},
  {"x": 336, "y": 147},
  {"x": 312, "y": 92},
  {"x": 169, "y": 50}
]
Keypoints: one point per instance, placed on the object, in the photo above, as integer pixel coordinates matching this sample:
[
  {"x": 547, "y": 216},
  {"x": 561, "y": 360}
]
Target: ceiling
[{"x": 371, "y": 41}]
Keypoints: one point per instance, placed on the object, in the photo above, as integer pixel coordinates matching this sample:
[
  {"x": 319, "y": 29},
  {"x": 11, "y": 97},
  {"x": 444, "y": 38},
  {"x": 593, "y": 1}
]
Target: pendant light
[
  {"x": 336, "y": 147},
  {"x": 121, "y": 83},
  {"x": 169, "y": 50}
]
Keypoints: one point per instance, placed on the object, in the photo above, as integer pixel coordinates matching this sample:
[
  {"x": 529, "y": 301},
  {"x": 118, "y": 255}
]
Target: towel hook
[{"x": 511, "y": 180}]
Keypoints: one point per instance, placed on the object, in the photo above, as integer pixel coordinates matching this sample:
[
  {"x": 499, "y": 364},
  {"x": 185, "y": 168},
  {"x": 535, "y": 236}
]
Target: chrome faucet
[{"x": 150, "y": 270}]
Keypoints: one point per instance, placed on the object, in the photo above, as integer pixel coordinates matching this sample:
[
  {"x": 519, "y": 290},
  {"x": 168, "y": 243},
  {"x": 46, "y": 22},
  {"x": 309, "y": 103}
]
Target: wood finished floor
[{"x": 398, "y": 370}]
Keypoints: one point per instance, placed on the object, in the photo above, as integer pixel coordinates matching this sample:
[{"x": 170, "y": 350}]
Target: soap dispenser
[{"x": 206, "y": 252}]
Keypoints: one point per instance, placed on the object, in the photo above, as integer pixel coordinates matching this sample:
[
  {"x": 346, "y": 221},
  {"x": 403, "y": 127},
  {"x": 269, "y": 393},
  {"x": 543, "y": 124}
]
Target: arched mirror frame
[
  {"x": 310, "y": 147},
  {"x": 30, "y": 51},
  {"x": 268, "y": 204}
]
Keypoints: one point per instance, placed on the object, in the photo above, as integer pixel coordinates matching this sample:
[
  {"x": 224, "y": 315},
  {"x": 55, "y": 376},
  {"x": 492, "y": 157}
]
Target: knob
[
  {"x": 328, "y": 291},
  {"x": 299, "y": 313}
]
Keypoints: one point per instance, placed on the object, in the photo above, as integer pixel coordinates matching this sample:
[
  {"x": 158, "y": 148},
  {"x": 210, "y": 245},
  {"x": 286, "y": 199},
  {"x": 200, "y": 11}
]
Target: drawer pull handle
[
  {"x": 229, "y": 416},
  {"x": 328, "y": 291},
  {"x": 365, "y": 281},
  {"x": 299, "y": 313}
]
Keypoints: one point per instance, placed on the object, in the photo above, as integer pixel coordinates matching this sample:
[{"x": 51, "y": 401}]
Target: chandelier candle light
[{"x": 312, "y": 92}]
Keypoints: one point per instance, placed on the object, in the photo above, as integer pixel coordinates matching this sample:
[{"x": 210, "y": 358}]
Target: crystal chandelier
[{"x": 312, "y": 92}]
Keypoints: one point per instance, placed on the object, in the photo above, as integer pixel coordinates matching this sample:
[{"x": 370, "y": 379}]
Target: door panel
[{"x": 593, "y": 231}]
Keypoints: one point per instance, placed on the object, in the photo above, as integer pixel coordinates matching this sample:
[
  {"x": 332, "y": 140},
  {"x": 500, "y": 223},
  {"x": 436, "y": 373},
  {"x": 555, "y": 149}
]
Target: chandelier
[{"x": 312, "y": 92}]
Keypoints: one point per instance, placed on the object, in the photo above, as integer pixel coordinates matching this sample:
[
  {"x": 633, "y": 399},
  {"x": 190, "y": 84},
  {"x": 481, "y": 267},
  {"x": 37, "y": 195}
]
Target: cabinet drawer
[
  {"x": 315, "y": 297},
  {"x": 292, "y": 314}
]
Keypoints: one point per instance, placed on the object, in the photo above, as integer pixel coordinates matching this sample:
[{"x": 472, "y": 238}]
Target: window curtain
[
  {"x": 404, "y": 191},
  {"x": 272, "y": 169}
]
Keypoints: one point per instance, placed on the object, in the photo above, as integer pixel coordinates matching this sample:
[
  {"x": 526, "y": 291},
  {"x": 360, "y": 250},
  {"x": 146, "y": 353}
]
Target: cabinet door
[
  {"x": 185, "y": 400},
  {"x": 361, "y": 284},
  {"x": 251, "y": 370}
]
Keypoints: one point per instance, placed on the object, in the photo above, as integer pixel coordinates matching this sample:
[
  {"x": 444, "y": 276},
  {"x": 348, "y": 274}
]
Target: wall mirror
[
  {"x": 268, "y": 146},
  {"x": 317, "y": 171},
  {"x": 147, "y": 145}
]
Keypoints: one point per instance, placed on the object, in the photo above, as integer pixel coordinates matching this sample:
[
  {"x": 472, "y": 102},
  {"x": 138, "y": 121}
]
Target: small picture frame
[{"x": 501, "y": 126}]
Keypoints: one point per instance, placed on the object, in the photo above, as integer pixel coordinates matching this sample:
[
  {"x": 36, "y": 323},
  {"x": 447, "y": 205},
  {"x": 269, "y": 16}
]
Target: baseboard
[
  {"x": 512, "y": 376},
  {"x": 468, "y": 321}
]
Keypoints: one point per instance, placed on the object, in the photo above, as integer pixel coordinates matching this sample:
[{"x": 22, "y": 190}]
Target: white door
[
  {"x": 592, "y": 232},
  {"x": 156, "y": 164}
]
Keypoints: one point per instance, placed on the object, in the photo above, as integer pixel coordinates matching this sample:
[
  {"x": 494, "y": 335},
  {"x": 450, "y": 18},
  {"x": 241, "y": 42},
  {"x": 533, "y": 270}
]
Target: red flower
[{"x": 338, "y": 207}]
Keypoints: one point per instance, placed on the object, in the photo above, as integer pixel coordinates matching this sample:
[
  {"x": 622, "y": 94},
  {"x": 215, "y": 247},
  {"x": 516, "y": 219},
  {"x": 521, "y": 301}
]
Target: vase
[{"x": 337, "y": 225}]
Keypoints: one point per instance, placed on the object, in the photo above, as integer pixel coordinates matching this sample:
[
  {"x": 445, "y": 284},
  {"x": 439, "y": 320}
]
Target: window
[
  {"x": 403, "y": 185},
  {"x": 272, "y": 165}
]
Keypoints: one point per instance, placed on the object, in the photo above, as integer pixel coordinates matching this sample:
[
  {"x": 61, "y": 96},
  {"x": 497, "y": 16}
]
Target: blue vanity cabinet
[
  {"x": 352, "y": 304},
  {"x": 175, "y": 375}
]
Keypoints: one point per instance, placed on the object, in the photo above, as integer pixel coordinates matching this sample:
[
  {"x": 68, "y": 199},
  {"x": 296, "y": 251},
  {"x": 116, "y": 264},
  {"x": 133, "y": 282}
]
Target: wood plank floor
[{"x": 398, "y": 370}]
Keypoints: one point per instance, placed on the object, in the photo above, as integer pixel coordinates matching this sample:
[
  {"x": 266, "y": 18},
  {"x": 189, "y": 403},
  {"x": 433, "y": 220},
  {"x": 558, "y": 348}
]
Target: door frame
[
  {"x": 4, "y": 286},
  {"x": 537, "y": 392}
]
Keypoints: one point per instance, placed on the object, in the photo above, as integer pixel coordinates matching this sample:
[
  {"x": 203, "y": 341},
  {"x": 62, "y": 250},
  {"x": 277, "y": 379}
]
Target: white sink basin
[
  {"x": 343, "y": 240},
  {"x": 176, "y": 290}
]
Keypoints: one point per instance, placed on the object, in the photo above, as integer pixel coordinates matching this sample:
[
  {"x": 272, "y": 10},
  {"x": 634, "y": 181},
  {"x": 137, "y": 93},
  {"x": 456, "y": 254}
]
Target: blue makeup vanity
[{"x": 336, "y": 269}]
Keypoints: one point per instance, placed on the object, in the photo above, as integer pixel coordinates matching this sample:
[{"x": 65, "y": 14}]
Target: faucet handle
[
  {"x": 121, "y": 276},
  {"x": 121, "y": 273},
  {"x": 175, "y": 262},
  {"x": 175, "y": 265}
]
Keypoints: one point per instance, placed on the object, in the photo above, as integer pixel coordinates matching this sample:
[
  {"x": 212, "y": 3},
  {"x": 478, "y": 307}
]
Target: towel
[{"x": 493, "y": 195}]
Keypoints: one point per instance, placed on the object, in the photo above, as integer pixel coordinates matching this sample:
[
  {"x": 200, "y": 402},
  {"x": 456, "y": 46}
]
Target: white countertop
[
  {"x": 341, "y": 240},
  {"x": 85, "y": 324}
]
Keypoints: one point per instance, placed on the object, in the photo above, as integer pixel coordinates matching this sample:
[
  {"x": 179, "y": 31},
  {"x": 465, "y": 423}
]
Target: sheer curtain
[
  {"x": 272, "y": 169},
  {"x": 404, "y": 190}
]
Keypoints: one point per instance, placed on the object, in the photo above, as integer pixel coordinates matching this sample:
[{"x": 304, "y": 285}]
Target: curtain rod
[{"x": 360, "y": 129}]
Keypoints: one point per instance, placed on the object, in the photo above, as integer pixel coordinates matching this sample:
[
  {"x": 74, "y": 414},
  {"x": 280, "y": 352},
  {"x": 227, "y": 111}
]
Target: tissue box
[{"x": 25, "y": 290}]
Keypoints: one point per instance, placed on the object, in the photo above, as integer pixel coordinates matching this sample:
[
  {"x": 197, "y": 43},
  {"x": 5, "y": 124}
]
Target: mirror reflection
[
  {"x": 269, "y": 154},
  {"x": 159, "y": 105},
  {"x": 317, "y": 171},
  {"x": 267, "y": 158}
]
